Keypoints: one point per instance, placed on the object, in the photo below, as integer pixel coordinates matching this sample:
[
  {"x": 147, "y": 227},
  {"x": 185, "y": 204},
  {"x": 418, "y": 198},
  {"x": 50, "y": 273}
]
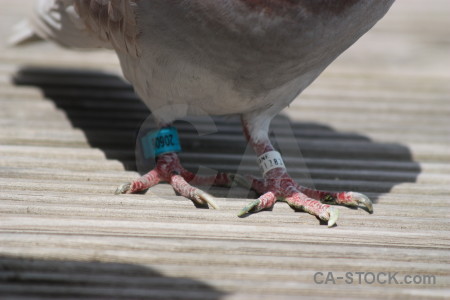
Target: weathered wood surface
[{"x": 377, "y": 121}]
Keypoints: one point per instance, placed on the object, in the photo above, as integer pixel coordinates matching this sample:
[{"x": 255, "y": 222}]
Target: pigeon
[{"x": 249, "y": 58}]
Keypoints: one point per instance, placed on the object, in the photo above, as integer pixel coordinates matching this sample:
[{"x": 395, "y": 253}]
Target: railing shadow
[
  {"x": 106, "y": 109},
  {"x": 31, "y": 278}
]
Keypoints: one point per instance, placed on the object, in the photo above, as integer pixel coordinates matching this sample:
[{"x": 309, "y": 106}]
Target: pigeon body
[
  {"x": 214, "y": 57},
  {"x": 194, "y": 57}
]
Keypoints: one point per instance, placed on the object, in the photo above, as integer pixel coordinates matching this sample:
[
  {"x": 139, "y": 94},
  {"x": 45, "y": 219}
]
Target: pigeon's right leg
[
  {"x": 277, "y": 185},
  {"x": 168, "y": 168}
]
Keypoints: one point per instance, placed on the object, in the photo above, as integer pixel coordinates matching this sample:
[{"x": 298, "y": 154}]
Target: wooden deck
[{"x": 377, "y": 121}]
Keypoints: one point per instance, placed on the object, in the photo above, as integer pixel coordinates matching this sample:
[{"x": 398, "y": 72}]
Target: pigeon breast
[{"x": 226, "y": 57}]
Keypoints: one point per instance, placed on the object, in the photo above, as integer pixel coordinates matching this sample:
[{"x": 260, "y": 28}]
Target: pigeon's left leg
[
  {"x": 168, "y": 168},
  {"x": 278, "y": 185}
]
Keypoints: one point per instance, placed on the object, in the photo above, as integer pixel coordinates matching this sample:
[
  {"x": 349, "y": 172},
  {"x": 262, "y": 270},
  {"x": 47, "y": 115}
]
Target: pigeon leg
[
  {"x": 168, "y": 168},
  {"x": 278, "y": 185}
]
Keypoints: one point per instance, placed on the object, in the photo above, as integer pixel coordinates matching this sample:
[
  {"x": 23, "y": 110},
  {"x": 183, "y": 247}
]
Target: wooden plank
[{"x": 377, "y": 121}]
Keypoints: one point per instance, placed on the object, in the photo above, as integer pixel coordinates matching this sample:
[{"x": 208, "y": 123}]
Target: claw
[
  {"x": 123, "y": 188},
  {"x": 334, "y": 215},
  {"x": 363, "y": 200},
  {"x": 203, "y": 197},
  {"x": 251, "y": 206}
]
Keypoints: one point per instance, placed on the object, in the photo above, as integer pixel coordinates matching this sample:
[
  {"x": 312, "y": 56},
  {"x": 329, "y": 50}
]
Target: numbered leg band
[
  {"x": 270, "y": 160},
  {"x": 160, "y": 141}
]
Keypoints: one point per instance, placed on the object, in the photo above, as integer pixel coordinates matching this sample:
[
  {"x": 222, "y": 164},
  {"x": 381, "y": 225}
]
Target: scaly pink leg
[
  {"x": 278, "y": 185},
  {"x": 168, "y": 168}
]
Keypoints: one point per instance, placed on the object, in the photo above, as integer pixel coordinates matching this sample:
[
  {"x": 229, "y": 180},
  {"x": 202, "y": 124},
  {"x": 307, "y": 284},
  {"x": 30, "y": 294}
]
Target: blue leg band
[{"x": 160, "y": 141}]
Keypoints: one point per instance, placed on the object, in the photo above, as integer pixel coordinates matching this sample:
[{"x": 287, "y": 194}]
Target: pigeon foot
[
  {"x": 349, "y": 199},
  {"x": 278, "y": 186},
  {"x": 169, "y": 169}
]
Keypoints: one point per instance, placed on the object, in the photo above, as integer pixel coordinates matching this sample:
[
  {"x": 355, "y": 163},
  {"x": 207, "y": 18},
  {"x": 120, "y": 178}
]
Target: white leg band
[{"x": 270, "y": 160}]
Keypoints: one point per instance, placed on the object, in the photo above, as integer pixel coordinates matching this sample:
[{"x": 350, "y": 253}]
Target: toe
[
  {"x": 265, "y": 201},
  {"x": 183, "y": 188},
  {"x": 325, "y": 212},
  {"x": 350, "y": 199}
]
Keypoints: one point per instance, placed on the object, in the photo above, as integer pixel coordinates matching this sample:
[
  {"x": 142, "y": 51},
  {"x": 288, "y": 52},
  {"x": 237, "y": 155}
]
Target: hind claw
[
  {"x": 123, "y": 188},
  {"x": 202, "y": 197}
]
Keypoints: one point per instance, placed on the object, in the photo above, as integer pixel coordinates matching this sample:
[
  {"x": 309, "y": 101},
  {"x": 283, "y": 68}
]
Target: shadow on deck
[
  {"x": 40, "y": 278},
  {"x": 109, "y": 113}
]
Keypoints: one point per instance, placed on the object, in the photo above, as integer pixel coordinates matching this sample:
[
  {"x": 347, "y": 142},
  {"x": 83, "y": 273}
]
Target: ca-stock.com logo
[{"x": 379, "y": 278}]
